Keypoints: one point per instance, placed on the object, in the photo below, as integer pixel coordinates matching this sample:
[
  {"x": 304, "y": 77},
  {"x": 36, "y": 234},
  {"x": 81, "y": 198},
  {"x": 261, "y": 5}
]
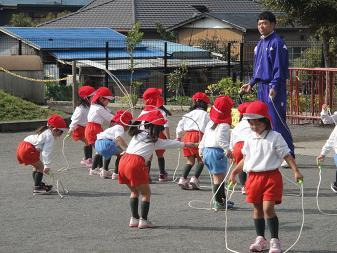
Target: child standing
[
  {"x": 98, "y": 114},
  {"x": 111, "y": 142},
  {"x": 28, "y": 151},
  {"x": 132, "y": 167},
  {"x": 192, "y": 127},
  {"x": 214, "y": 147},
  {"x": 239, "y": 134},
  {"x": 263, "y": 155},
  {"x": 79, "y": 120}
]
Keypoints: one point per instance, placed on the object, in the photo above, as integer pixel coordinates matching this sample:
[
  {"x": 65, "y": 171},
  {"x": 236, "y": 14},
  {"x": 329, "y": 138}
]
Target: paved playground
[{"x": 94, "y": 216}]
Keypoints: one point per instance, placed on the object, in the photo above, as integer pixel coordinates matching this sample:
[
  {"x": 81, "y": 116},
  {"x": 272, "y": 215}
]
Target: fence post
[
  {"x": 229, "y": 59},
  {"x": 74, "y": 84},
  {"x": 20, "y": 47},
  {"x": 106, "y": 79},
  {"x": 165, "y": 72},
  {"x": 241, "y": 62}
]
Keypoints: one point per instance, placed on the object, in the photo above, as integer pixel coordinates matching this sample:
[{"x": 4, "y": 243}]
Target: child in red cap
[
  {"x": 111, "y": 142},
  {"x": 28, "y": 151},
  {"x": 263, "y": 155},
  {"x": 132, "y": 167},
  {"x": 79, "y": 120},
  {"x": 98, "y": 114},
  {"x": 239, "y": 134},
  {"x": 154, "y": 101},
  {"x": 214, "y": 148},
  {"x": 191, "y": 128}
]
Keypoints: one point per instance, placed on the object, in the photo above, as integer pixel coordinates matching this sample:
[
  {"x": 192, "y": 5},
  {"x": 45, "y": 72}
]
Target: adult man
[{"x": 270, "y": 73}]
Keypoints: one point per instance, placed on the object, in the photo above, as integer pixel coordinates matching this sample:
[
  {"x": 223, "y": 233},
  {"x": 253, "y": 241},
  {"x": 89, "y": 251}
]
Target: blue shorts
[
  {"x": 107, "y": 148},
  {"x": 215, "y": 160}
]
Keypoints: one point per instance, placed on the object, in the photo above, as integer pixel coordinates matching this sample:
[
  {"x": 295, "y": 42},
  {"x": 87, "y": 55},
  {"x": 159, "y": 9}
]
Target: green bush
[{"x": 57, "y": 92}]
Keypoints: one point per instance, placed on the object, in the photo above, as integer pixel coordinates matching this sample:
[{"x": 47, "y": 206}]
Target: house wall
[{"x": 10, "y": 46}]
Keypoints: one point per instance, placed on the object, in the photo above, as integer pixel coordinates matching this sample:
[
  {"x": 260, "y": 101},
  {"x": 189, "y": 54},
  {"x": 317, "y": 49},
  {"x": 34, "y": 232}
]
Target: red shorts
[
  {"x": 132, "y": 170},
  {"x": 78, "y": 133},
  {"x": 237, "y": 154},
  {"x": 91, "y": 131},
  {"x": 160, "y": 152},
  {"x": 264, "y": 186},
  {"x": 195, "y": 137},
  {"x": 27, "y": 154}
]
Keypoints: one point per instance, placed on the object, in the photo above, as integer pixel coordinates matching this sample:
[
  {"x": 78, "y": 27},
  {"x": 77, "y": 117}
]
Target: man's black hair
[{"x": 267, "y": 15}]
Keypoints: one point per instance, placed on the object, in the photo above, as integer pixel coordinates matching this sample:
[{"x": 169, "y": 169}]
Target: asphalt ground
[{"x": 94, "y": 216}]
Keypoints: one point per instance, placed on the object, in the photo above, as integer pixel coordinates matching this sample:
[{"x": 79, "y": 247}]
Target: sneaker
[
  {"x": 133, "y": 222},
  {"x": 334, "y": 187},
  {"x": 195, "y": 183},
  {"x": 144, "y": 224},
  {"x": 40, "y": 190},
  {"x": 243, "y": 190},
  {"x": 284, "y": 164},
  {"x": 217, "y": 206},
  {"x": 259, "y": 245},
  {"x": 94, "y": 172},
  {"x": 105, "y": 174},
  {"x": 275, "y": 246},
  {"x": 163, "y": 177},
  {"x": 114, "y": 176},
  {"x": 47, "y": 187},
  {"x": 184, "y": 184},
  {"x": 86, "y": 162}
]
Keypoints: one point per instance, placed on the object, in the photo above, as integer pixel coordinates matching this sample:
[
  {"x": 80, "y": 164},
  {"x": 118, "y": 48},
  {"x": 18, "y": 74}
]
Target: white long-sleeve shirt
[
  {"x": 330, "y": 143},
  {"x": 99, "y": 114},
  {"x": 79, "y": 117},
  {"x": 216, "y": 138},
  {"x": 327, "y": 119},
  {"x": 141, "y": 145},
  {"x": 241, "y": 132},
  {"x": 199, "y": 122},
  {"x": 44, "y": 143},
  {"x": 112, "y": 133},
  {"x": 264, "y": 152}
]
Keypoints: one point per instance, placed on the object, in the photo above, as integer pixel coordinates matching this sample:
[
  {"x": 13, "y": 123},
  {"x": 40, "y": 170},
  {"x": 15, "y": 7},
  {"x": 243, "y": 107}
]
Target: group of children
[{"x": 206, "y": 138}]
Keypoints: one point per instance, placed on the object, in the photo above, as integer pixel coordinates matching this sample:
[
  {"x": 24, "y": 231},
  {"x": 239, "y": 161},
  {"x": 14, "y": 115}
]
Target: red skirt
[
  {"x": 195, "y": 137},
  {"x": 78, "y": 133},
  {"x": 264, "y": 186},
  {"x": 237, "y": 154},
  {"x": 160, "y": 152},
  {"x": 27, "y": 154},
  {"x": 132, "y": 170},
  {"x": 91, "y": 131}
]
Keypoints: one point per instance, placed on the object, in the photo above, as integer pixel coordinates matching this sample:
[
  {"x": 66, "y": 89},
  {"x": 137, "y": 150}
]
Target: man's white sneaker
[
  {"x": 275, "y": 246},
  {"x": 259, "y": 245},
  {"x": 133, "y": 222},
  {"x": 144, "y": 224},
  {"x": 184, "y": 184},
  {"x": 195, "y": 183}
]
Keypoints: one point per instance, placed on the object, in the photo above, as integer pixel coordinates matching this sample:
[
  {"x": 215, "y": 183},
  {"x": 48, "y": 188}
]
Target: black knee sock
[
  {"x": 144, "y": 209},
  {"x": 260, "y": 225},
  {"x": 148, "y": 164},
  {"x": 87, "y": 151},
  {"x": 187, "y": 170},
  {"x": 116, "y": 164},
  {"x": 100, "y": 161},
  {"x": 96, "y": 160},
  {"x": 273, "y": 226},
  {"x": 161, "y": 165},
  {"x": 38, "y": 178},
  {"x": 33, "y": 174},
  {"x": 220, "y": 195},
  {"x": 242, "y": 178},
  {"x": 198, "y": 169},
  {"x": 106, "y": 163},
  {"x": 134, "y": 207}
]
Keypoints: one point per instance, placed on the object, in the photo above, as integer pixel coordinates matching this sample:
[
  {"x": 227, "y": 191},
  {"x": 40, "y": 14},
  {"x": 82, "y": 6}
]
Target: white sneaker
[
  {"x": 114, "y": 176},
  {"x": 284, "y": 164},
  {"x": 133, "y": 222},
  {"x": 275, "y": 246},
  {"x": 195, "y": 183},
  {"x": 184, "y": 184},
  {"x": 105, "y": 174},
  {"x": 144, "y": 224},
  {"x": 243, "y": 190},
  {"x": 260, "y": 244},
  {"x": 94, "y": 172}
]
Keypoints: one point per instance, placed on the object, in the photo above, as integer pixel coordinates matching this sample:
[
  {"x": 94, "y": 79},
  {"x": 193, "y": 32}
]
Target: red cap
[
  {"x": 102, "y": 92},
  {"x": 152, "y": 92},
  {"x": 160, "y": 101},
  {"x": 56, "y": 121},
  {"x": 153, "y": 117},
  {"x": 257, "y": 110},
  {"x": 86, "y": 91},
  {"x": 221, "y": 111},
  {"x": 122, "y": 117},
  {"x": 201, "y": 96},
  {"x": 242, "y": 107}
]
